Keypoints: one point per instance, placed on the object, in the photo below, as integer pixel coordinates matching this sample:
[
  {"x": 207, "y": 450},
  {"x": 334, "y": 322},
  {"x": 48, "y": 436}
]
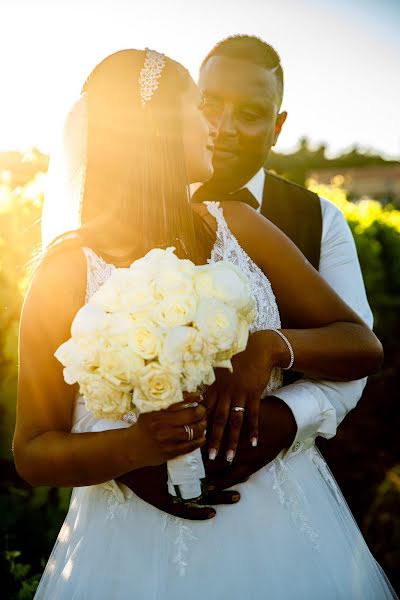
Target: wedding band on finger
[
  {"x": 238, "y": 408},
  {"x": 190, "y": 432}
]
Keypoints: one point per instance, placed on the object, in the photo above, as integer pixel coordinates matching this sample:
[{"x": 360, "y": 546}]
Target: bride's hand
[
  {"x": 163, "y": 432},
  {"x": 236, "y": 396}
]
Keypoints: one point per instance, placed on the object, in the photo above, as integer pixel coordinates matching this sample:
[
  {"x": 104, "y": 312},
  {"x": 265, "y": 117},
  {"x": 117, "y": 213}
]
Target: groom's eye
[{"x": 248, "y": 114}]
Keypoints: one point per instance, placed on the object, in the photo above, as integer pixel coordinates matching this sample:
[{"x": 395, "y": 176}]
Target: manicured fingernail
[
  {"x": 211, "y": 515},
  {"x": 205, "y": 432},
  {"x": 229, "y": 455},
  {"x": 236, "y": 497},
  {"x": 254, "y": 442},
  {"x": 212, "y": 454}
]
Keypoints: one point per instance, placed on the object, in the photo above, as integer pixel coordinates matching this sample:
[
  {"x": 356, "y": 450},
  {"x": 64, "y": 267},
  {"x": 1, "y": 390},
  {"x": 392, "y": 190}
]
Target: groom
[{"x": 241, "y": 79}]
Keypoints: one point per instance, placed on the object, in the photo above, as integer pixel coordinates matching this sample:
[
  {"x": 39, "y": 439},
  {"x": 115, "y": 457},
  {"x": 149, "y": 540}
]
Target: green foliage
[
  {"x": 19, "y": 234},
  {"x": 376, "y": 231},
  {"x": 382, "y": 522},
  {"x": 29, "y": 523},
  {"x": 25, "y": 582}
]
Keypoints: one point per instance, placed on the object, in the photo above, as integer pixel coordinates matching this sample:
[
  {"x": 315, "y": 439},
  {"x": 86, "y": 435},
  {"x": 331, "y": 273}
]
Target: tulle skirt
[{"x": 291, "y": 536}]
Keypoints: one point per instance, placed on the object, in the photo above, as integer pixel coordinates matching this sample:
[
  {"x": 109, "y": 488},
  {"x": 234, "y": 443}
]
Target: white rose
[
  {"x": 158, "y": 388},
  {"x": 221, "y": 358},
  {"x": 217, "y": 323},
  {"x": 123, "y": 291},
  {"x": 181, "y": 344},
  {"x": 173, "y": 282},
  {"x": 154, "y": 261},
  {"x": 158, "y": 260},
  {"x": 78, "y": 357},
  {"x": 104, "y": 399},
  {"x": 226, "y": 282},
  {"x": 175, "y": 311},
  {"x": 119, "y": 364},
  {"x": 197, "y": 373},
  {"x": 119, "y": 326},
  {"x": 145, "y": 340},
  {"x": 89, "y": 320}
]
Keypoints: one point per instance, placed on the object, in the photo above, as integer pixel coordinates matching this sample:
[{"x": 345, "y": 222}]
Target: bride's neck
[{"x": 121, "y": 256}]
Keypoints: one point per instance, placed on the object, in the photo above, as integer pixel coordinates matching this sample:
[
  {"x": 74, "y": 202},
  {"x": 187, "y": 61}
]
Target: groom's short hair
[{"x": 251, "y": 49}]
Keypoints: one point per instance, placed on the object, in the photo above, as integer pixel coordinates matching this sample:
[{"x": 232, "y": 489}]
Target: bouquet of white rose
[{"x": 154, "y": 331}]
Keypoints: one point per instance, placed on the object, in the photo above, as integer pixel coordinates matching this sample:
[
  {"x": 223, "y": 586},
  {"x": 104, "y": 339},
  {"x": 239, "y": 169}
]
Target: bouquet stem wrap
[{"x": 186, "y": 477}]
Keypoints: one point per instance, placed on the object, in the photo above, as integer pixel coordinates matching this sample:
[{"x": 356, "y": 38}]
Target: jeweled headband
[{"x": 150, "y": 74}]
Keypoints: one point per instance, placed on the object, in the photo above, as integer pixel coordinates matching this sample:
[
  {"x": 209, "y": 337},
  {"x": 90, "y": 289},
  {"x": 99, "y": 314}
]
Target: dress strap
[
  {"x": 223, "y": 231},
  {"x": 98, "y": 271}
]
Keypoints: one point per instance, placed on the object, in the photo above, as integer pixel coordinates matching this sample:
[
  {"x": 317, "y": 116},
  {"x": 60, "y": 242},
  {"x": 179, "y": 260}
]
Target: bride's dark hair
[{"x": 136, "y": 182}]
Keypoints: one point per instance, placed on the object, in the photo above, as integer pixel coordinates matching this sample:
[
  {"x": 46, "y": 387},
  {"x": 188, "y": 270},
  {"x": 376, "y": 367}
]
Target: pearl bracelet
[{"x": 289, "y": 345}]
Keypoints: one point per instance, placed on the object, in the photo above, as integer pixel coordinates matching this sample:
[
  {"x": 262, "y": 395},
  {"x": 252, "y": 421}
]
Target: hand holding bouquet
[{"x": 154, "y": 331}]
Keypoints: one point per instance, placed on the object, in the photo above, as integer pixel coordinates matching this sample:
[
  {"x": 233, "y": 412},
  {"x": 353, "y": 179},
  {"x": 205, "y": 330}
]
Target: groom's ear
[{"x": 280, "y": 120}]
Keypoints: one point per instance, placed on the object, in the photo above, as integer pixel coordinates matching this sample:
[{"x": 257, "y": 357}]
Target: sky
[{"x": 341, "y": 60}]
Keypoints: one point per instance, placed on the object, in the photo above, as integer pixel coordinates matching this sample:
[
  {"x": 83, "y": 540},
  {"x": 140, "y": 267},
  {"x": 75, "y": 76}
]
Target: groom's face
[{"x": 241, "y": 101}]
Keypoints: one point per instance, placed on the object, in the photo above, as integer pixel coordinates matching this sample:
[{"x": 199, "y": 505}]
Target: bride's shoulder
[{"x": 58, "y": 284}]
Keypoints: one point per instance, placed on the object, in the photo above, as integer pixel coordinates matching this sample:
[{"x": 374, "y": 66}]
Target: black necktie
[{"x": 242, "y": 195}]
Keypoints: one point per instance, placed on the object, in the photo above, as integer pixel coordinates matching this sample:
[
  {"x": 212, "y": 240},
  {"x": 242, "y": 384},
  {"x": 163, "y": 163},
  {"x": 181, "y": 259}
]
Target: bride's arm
[
  {"x": 328, "y": 338},
  {"x": 45, "y": 451}
]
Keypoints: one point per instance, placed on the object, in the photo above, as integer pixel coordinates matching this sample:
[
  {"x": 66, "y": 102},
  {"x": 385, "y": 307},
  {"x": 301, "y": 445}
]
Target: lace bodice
[
  {"x": 98, "y": 271},
  {"x": 227, "y": 247}
]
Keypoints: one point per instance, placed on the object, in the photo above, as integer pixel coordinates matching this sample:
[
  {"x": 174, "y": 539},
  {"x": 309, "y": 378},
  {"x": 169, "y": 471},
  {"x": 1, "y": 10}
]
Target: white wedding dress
[{"x": 291, "y": 536}]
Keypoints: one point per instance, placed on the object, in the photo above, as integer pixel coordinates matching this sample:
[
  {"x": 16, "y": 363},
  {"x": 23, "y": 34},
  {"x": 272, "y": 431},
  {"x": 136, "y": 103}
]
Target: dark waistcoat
[{"x": 297, "y": 212}]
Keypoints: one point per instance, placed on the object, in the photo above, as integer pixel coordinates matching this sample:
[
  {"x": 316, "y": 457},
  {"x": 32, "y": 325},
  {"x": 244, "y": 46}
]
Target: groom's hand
[{"x": 150, "y": 484}]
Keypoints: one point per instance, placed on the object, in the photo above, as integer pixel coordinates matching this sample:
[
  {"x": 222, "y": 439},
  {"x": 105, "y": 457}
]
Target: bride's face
[{"x": 197, "y": 136}]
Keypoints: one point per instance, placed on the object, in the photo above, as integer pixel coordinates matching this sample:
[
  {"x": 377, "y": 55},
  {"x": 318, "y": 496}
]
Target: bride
[{"x": 132, "y": 144}]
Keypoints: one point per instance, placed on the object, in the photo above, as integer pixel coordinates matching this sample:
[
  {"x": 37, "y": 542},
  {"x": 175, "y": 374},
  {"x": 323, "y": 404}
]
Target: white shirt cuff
[{"x": 313, "y": 414}]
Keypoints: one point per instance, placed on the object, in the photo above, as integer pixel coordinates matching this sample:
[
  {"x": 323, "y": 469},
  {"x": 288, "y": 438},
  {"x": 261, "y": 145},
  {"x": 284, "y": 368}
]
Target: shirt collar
[{"x": 256, "y": 185}]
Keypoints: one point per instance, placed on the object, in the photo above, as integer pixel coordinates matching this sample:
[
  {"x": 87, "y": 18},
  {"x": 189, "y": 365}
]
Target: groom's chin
[{"x": 224, "y": 170}]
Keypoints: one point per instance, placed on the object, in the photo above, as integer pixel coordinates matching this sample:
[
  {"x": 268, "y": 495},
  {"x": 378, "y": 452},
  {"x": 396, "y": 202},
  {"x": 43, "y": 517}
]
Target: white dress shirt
[{"x": 320, "y": 406}]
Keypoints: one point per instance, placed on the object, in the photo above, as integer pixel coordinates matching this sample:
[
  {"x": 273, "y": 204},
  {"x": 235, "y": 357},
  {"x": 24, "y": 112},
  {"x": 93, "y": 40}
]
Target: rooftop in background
[{"x": 380, "y": 182}]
